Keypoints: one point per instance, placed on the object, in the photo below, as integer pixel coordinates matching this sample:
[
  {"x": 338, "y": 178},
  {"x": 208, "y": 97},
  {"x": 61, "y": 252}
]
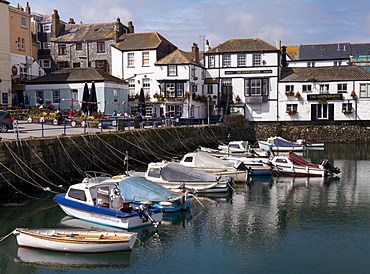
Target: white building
[{"x": 243, "y": 74}]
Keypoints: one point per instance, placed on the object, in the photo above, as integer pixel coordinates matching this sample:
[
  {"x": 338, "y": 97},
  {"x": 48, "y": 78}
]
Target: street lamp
[{"x": 208, "y": 99}]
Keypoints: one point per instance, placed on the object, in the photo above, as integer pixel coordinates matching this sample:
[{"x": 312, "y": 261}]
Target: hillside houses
[{"x": 264, "y": 83}]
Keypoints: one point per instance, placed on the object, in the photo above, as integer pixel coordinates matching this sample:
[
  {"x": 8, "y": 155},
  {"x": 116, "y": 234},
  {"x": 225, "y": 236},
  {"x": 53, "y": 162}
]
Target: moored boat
[
  {"x": 75, "y": 240},
  {"x": 178, "y": 177},
  {"x": 98, "y": 199},
  {"x": 200, "y": 160},
  {"x": 280, "y": 144},
  {"x": 294, "y": 165}
]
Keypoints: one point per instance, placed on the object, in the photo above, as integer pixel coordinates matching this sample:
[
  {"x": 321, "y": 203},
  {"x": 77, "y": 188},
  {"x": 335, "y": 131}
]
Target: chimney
[
  {"x": 55, "y": 26},
  {"x": 207, "y": 47},
  {"x": 195, "y": 52},
  {"x": 28, "y": 9},
  {"x": 130, "y": 27},
  {"x": 71, "y": 21},
  {"x": 278, "y": 44}
]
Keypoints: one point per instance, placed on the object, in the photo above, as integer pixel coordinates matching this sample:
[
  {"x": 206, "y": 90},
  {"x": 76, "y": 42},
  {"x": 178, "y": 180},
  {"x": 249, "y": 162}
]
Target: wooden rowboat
[{"x": 75, "y": 240}]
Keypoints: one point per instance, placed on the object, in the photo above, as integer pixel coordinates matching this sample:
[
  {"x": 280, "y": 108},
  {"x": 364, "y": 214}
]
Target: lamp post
[{"x": 208, "y": 99}]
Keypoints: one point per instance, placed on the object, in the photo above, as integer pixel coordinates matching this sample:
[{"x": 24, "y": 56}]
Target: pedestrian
[
  {"x": 114, "y": 113},
  {"x": 70, "y": 113}
]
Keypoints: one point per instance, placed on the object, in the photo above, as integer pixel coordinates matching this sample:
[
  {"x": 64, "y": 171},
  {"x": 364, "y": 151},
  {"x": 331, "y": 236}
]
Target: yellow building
[
  {"x": 23, "y": 51},
  {"x": 5, "y": 79}
]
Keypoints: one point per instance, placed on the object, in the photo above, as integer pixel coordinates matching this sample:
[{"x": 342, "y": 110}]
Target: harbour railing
[{"x": 45, "y": 128}]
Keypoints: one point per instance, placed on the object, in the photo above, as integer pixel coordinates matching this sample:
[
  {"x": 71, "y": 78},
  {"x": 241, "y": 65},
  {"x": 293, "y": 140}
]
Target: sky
[{"x": 184, "y": 22}]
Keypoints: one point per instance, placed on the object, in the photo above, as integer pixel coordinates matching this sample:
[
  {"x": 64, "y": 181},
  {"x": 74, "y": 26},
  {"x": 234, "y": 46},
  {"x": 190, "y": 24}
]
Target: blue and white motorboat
[{"x": 98, "y": 199}]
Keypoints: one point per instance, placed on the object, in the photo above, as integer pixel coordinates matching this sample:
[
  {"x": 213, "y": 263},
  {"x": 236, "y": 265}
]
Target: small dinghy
[{"x": 75, "y": 240}]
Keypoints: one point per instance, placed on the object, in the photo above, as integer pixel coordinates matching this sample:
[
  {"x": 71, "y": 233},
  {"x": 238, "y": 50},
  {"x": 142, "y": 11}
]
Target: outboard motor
[
  {"x": 145, "y": 215},
  {"x": 328, "y": 166}
]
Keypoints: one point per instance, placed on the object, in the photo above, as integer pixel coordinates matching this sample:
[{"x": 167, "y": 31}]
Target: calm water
[{"x": 271, "y": 226}]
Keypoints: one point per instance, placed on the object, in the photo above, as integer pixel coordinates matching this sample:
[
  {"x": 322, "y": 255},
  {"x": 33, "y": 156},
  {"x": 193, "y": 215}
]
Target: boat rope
[
  {"x": 70, "y": 158},
  {"x": 6, "y": 236},
  {"x": 24, "y": 164},
  {"x": 42, "y": 161},
  {"x": 195, "y": 198},
  {"x": 143, "y": 243},
  {"x": 165, "y": 152},
  {"x": 7, "y": 181}
]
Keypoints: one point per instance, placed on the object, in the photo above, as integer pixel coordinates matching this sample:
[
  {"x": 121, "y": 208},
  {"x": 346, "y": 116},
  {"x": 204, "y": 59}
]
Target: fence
[{"x": 78, "y": 126}]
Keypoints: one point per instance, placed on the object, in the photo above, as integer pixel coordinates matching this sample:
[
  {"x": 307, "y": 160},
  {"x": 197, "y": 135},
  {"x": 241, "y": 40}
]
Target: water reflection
[{"x": 47, "y": 258}]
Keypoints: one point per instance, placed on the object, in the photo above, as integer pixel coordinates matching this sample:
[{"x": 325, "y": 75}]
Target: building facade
[{"x": 5, "y": 75}]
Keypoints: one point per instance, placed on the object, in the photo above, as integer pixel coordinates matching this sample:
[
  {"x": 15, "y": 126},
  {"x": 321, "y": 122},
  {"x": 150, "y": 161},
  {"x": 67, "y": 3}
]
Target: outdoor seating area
[{"x": 18, "y": 113}]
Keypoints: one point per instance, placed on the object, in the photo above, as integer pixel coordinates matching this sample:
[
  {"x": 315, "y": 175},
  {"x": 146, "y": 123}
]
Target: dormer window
[{"x": 172, "y": 70}]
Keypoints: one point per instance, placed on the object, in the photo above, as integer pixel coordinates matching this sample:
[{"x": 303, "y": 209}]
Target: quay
[{"x": 31, "y": 164}]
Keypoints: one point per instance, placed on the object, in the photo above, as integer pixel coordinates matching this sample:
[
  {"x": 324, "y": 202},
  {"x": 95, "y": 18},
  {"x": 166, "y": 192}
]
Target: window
[
  {"x": 289, "y": 88},
  {"x": 45, "y": 63},
  {"x": 115, "y": 95},
  {"x": 131, "y": 86},
  {"x": 130, "y": 60},
  {"x": 77, "y": 194},
  {"x": 146, "y": 85},
  {"x": 46, "y": 28},
  {"x": 46, "y": 45},
  {"x": 19, "y": 43},
  {"x": 23, "y": 22},
  {"x": 76, "y": 65},
  {"x": 241, "y": 60},
  {"x": 145, "y": 59},
  {"x": 256, "y": 87},
  {"x": 179, "y": 89},
  {"x": 311, "y": 64},
  {"x": 101, "y": 64},
  {"x": 306, "y": 88},
  {"x": 56, "y": 96},
  {"x": 342, "y": 88},
  {"x": 226, "y": 60},
  {"x": 78, "y": 46},
  {"x": 209, "y": 89},
  {"x": 364, "y": 90},
  {"x": 62, "y": 64},
  {"x": 62, "y": 49},
  {"x": 291, "y": 109},
  {"x": 211, "y": 61},
  {"x": 322, "y": 111},
  {"x": 100, "y": 47},
  {"x": 172, "y": 70},
  {"x": 347, "y": 108},
  {"x": 170, "y": 89},
  {"x": 324, "y": 88},
  {"x": 256, "y": 59},
  {"x": 39, "y": 97},
  {"x": 22, "y": 44}
]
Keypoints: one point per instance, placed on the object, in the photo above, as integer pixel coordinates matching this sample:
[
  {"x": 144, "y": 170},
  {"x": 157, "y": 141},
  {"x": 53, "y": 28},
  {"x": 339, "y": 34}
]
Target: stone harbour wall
[{"x": 33, "y": 164}]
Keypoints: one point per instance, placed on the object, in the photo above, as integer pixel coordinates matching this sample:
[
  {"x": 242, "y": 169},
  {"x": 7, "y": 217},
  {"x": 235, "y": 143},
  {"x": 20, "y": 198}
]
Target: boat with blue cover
[{"x": 98, "y": 199}]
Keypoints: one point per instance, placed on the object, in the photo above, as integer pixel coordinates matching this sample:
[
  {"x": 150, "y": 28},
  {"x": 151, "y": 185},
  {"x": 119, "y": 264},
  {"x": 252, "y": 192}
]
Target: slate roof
[
  {"x": 86, "y": 32},
  {"x": 178, "y": 57},
  {"x": 75, "y": 75},
  {"x": 324, "y": 74},
  {"x": 242, "y": 45},
  {"x": 140, "y": 41}
]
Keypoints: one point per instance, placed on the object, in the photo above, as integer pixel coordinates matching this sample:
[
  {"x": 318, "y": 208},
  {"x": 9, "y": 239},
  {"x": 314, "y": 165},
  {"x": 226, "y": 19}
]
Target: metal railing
[{"x": 78, "y": 126}]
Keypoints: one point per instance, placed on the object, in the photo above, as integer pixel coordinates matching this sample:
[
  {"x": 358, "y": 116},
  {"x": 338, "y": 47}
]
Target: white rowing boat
[{"x": 75, "y": 240}]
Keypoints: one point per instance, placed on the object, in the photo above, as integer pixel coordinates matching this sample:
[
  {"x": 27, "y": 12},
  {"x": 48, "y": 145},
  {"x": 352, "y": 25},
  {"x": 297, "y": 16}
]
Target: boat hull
[
  {"x": 78, "y": 240},
  {"x": 197, "y": 187},
  {"x": 105, "y": 216},
  {"x": 266, "y": 146}
]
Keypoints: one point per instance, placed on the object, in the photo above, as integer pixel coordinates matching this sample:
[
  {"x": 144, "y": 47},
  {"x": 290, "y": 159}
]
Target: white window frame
[
  {"x": 172, "y": 70},
  {"x": 211, "y": 61},
  {"x": 257, "y": 60},
  {"x": 23, "y": 22},
  {"x": 226, "y": 60},
  {"x": 241, "y": 60},
  {"x": 131, "y": 86},
  {"x": 324, "y": 88},
  {"x": 145, "y": 59},
  {"x": 146, "y": 85},
  {"x": 56, "y": 96},
  {"x": 342, "y": 88},
  {"x": 130, "y": 60},
  {"x": 306, "y": 88},
  {"x": 322, "y": 111}
]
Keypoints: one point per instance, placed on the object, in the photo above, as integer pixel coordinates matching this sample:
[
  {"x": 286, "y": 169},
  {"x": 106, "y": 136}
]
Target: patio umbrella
[
  {"x": 92, "y": 106},
  {"x": 142, "y": 109},
  {"x": 85, "y": 99}
]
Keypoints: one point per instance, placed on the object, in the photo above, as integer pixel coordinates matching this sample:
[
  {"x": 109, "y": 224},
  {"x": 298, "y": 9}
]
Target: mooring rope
[
  {"x": 23, "y": 164},
  {"x": 7, "y": 181},
  {"x": 70, "y": 158},
  {"x": 3, "y": 238}
]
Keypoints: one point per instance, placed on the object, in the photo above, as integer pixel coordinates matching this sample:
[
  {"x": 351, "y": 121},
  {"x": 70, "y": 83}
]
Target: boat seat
[{"x": 126, "y": 207}]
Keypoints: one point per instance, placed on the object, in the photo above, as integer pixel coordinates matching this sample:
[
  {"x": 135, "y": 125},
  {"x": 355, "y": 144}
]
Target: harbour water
[{"x": 280, "y": 225}]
